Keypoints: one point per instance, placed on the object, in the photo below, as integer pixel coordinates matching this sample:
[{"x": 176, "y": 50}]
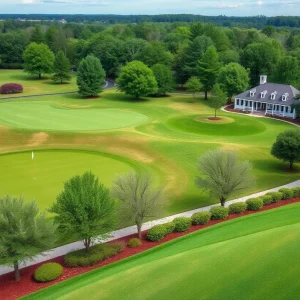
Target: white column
[
  {"x": 272, "y": 109},
  {"x": 252, "y": 106},
  {"x": 283, "y": 110},
  {"x": 244, "y": 104}
]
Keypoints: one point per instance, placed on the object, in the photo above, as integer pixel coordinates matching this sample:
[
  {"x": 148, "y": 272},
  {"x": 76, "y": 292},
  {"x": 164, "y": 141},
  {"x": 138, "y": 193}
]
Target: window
[
  {"x": 237, "y": 101},
  {"x": 246, "y": 103},
  {"x": 273, "y": 95},
  {"x": 263, "y": 94},
  {"x": 282, "y": 107},
  {"x": 286, "y": 109},
  {"x": 285, "y": 96},
  {"x": 242, "y": 102}
]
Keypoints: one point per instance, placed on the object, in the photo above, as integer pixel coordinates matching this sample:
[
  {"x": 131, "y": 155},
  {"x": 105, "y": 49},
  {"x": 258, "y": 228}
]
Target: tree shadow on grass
[
  {"x": 27, "y": 77},
  {"x": 123, "y": 98},
  {"x": 273, "y": 166}
]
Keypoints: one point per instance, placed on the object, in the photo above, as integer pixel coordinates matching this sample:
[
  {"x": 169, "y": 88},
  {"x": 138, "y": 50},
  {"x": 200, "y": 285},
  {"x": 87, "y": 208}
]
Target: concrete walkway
[{"x": 132, "y": 229}]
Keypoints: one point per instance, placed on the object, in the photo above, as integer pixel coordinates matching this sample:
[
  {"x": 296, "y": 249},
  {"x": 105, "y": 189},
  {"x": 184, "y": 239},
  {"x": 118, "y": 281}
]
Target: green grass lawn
[
  {"x": 254, "y": 257},
  {"x": 163, "y": 135},
  {"x": 42, "y": 178},
  {"x": 53, "y": 117},
  {"x": 34, "y": 86}
]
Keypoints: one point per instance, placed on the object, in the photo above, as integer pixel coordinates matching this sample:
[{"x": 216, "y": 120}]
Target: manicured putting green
[
  {"x": 254, "y": 257},
  {"x": 48, "y": 116},
  {"x": 42, "y": 178},
  {"x": 234, "y": 126}
]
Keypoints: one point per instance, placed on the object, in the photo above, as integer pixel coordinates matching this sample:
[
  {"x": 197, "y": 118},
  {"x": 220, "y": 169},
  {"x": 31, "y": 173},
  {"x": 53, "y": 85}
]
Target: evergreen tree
[
  {"x": 208, "y": 69},
  {"x": 50, "y": 37},
  {"x": 37, "y": 35},
  {"x": 61, "y": 68},
  {"x": 24, "y": 232},
  {"x": 38, "y": 59},
  {"x": 164, "y": 78},
  {"x": 91, "y": 77}
]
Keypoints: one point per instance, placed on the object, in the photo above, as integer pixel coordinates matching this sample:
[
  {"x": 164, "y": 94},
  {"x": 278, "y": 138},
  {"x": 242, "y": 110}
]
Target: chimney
[{"x": 263, "y": 79}]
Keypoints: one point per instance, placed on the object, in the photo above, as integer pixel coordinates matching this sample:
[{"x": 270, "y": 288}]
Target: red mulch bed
[
  {"x": 10, "y": 289},
  {"x": 214, "y": 118}
]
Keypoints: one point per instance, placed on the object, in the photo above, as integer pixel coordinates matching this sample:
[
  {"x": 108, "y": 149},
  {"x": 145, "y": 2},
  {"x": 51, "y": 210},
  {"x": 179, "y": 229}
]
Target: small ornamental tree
[
  {"x": 25, "y": 232},
  {"x": 91, "y": 77},
  {"x": 136, "y": 79},
  {"x": 84, "y": 209},
  {"x": 11, "y": 88},
  {"x": 38, "y": 59},
  {"x": 218, "y": 98},
  {"x": 223, "y": 174},
  {"x": 61, "y": 68},
  {"x": 193, "y": 85},
  {"x": 287, "y": 147},
  {"x": 164, "y": 78},
  {"x": 139, "y": 198}
]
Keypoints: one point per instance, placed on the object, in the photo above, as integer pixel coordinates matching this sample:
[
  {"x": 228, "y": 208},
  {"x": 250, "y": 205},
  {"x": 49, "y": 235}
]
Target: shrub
[
  {"x": 255, "y": 203},
  {"x": 238, "y": 207},
  {"x": 201, "y": 218},
  {"x": 219, "y": 212},
  {"x": 170, "y": 227},
  {"x": 276, "y": 196},
  {"x": 267, "y": 199},
  {"x": 11, "y": 88},
  {"x": 182, "y": 224},
  {"x": 286, "y": 194},
  {"x": 134, "y": 243},
  {"x": 296, "y": 191},
  {"x": 156, "y": 233},
  {"x": 48, "y": 272},
  {"x": 97, "y": 253}
]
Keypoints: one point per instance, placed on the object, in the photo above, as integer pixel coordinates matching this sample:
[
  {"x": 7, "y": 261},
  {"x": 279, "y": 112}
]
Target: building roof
[{"x": 278, "y": 90}]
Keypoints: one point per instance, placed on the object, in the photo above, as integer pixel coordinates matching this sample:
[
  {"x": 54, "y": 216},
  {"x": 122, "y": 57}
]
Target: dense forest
[{"x": 180, "y": 46}]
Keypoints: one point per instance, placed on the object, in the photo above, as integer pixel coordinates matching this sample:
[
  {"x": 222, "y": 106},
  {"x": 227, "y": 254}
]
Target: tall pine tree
[
  {"x": 208, "y": 69},
  {"x": 61, "y": 68},
  {"x": 91, "y": 77}
]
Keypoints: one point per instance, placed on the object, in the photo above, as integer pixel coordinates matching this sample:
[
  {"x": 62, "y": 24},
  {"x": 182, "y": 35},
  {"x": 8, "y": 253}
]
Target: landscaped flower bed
[{"x": 10, "y": 289}]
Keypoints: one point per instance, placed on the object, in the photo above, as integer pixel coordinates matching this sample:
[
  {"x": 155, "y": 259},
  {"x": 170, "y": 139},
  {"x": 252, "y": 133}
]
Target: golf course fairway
[
  {"x": 249, "y": 258},
  {"x": 42, "y": 178},
  {"x": 48, "y": 116}
]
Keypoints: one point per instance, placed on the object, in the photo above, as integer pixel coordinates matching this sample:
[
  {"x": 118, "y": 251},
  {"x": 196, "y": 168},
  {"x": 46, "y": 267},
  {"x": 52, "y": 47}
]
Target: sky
[{"x": 126, "y": 7}]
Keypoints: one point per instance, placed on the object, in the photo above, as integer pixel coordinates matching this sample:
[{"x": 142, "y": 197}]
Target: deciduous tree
[
  {"x": 287, "y": 147},
  {"x": 222, "y": 173},
  {"x": 61, "y": 68},
  {"x": 218, "y": 98},
  {"x": 91, "y": 77},
  {"x": 164, "y": 78},
  {"x": 140, "y": 199},
  {"x": 84, "y": 209},
  {"x": 25, "y": 232},
  {"x": 193, "y": 85}
]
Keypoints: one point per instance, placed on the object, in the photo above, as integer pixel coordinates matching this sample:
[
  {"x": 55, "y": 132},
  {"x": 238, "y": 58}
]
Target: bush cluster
[
  {"x": 219, "y": 213},
  {"x": 156, "y": 233},
  {"x": 276, "y": 196},
  {"x": 48, "y": 272},
  {"x": 201, "y": 218},
  {"x": 296, "y": 191},
  {"x": 237, "y": 207},
  {"x": 255, "y": 203},
  {"x": 134, "y": 243},
  {"x": 11, "y": 88},
  {"x": 286, "y": 193},
  {"x": 169, "y": 227},
  {"x": 267, "y": 199},
  {"x": 182, "y": 224},
  {"x": 81, "y": 258}
]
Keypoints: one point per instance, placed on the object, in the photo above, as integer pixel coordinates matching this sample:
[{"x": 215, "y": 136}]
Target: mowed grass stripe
[
  {"x": 48, "y": 116},
  {"x": 254, "y": 257}
]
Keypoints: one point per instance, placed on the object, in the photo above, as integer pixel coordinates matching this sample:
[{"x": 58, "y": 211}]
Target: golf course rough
[
  {"x": 42, "y": 178},
  {"x": 48, "y": 116},
  {"x": 254, "y": 257}
]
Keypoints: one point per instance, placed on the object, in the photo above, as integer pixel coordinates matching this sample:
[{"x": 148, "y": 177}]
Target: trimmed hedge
[
  {"x": 170, "y": 227},
  {"x": 81, "y": 258},
  {"x": 11, "y": 88},
  {"x": 238, "y": 207},
  {"x": 182, "y": 224},
  {"x": 286, "y": 193},
  {"x": 134, "y": 243},
  {"x": 156, "y": 233},
  {"x": 267, "y": 199},
  {"x": 48, "y": 272},
  {"x": 255, "y": 203},
  {"x": 219, "y": 212},
  {"x": 296, "y": 191},
  {"x": 276, "y": 196},
  {"x": 201, "y": 218}
]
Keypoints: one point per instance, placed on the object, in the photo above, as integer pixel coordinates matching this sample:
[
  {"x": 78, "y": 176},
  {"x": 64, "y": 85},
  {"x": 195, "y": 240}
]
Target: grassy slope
[
  {"x": 33, "y": 86},
  {"x": 168, "y": 145},
  {"x": 254, "y": 257}
]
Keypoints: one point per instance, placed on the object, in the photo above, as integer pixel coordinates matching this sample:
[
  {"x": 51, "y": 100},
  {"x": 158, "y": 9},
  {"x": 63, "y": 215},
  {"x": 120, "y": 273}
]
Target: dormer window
[
  {"x": 263, "y": 94},
  {"x": 285, "y": 96},
  {"x": 273, "y": 95},
  {"x": 252, "y": 93}
]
